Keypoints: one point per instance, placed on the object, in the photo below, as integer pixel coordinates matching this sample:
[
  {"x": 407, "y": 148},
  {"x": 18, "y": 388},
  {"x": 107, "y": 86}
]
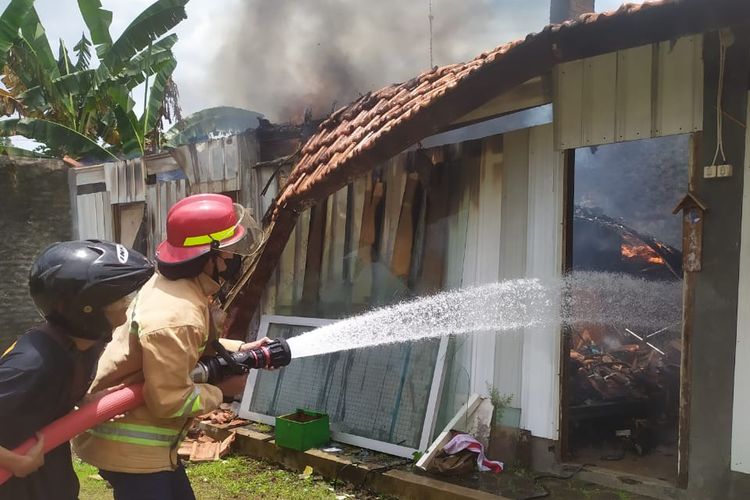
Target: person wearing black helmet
[{"x": 82, "y": 289}]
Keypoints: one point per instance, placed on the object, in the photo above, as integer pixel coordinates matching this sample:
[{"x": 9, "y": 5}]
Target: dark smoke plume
[{"x": 283, "y": 56}]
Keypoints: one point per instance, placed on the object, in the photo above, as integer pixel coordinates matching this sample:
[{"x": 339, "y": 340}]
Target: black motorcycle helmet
[{"x": 71, "y": 283}]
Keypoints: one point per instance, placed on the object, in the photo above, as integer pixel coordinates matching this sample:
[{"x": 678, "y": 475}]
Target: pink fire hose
[{"x": 89, "y": 415}]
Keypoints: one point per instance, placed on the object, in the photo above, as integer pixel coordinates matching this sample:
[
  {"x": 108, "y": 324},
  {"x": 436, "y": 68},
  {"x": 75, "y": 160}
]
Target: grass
[
  {"x": 236, "y": 477},
  {"x": 91, "y": 489}
]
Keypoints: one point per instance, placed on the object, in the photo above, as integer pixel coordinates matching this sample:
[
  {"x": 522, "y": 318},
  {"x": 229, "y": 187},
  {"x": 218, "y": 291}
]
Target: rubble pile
[
  {"x": 198, "y": 446},
  {"x": 607, "y": 365}
]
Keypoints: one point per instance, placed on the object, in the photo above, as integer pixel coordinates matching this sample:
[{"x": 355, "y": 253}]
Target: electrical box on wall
[
  {"x": 724, "y": 171},
  {"x": 713, "y": 171}
]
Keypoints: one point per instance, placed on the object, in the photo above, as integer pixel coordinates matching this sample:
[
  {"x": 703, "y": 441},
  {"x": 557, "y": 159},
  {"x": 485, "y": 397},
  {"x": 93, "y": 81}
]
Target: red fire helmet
[{"x": 199, "y": 223}]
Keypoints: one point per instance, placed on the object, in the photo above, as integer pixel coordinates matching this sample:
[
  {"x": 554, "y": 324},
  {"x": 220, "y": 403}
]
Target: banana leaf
[
  {"x": 155, "y": 21},
  {"x": 156, "y": 97},
  {"x": 33, "y": 31},
  {"x": 131, "y": 138},
  {"x": 10, "y": 23},
  {"x": 58, "y": 138},
  {"x": 98, "y": 21},
  {"x": 83, "y": 53}
]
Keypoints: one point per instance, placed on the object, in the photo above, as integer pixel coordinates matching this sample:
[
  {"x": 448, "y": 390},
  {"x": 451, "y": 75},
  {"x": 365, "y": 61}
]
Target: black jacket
[{"x": 42, "y": 376}]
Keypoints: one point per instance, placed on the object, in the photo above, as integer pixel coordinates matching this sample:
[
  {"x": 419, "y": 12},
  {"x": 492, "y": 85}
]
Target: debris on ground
[
  {"x": 611, "y": 366},
  {"x": 624, "y": 389},
  {"x": 199, "y": 447},
  {"x": 224, "y": 416}
]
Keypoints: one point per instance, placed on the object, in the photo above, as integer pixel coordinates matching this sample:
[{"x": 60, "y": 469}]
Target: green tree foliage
[{"x": 79, "y": 103}]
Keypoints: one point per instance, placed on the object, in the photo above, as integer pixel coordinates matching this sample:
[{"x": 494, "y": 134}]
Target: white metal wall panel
[
  {"x": 512, "y": 254},
  {"x": 568, "y": 104},
  {"x": 648, "y": 91},
  {"x": 125, "y": 181},
  {"x": 741, "y": 407},
  {"x": 634, "y": 77},
  {"x": 679, "y": 99},
  {"x": 487, "y": 264},
  {"x": 598, "y": 113},
  {"x": 94, "y": 216},
  {"x": 540, "y": 395}
]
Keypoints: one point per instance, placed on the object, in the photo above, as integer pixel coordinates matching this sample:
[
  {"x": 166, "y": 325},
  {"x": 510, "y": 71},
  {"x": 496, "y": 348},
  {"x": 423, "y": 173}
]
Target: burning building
[{"x": 466, "y": 174}]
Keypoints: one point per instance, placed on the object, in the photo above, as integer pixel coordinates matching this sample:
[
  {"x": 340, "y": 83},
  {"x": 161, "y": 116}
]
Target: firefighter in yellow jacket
[{"x": 168, "y": 329}]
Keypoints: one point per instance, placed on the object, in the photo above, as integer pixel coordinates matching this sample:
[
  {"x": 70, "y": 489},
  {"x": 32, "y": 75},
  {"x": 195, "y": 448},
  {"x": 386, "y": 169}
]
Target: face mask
[{"x": 232, "y": 272}]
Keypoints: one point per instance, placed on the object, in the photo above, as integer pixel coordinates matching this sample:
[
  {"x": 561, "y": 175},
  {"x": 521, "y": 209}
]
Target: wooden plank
[
  {"x": 89, "y": 175},
  {"x": 314, "y": 259},
  {"x": 437, "y": 198},
  {"x": 264, "y": 176},
  {"x": 231, "y": 163},
  {"x": 462, "y": 175},
  {"x": 678, "y": 87},
  {"x": 95, "y": 219},
  {"x": 285, "y": 283},
  {"x": 362, "y": 286},
  {"x": 82, "y": 210},
  {"x": 338, "y": 236},
  {"x": 112, "y": 180},
  {"x": 462, "y": 415},
  {"x": 201, "y": 167},
  {"x": 633, "y": 107},
  {"x": 404, "y": 236},
  {"x": 568, "y": 105},
  {"x": 598, "y": 113},
  {"x": 300, "y": 254},
  {"x": 359, "y": 192},
  {"x": 131, "y": 218},
  {"x": 248, "y": 151},
  {"x": 212, "y": 166},
  {"x": 420, "y": 231},
  {"x": 395, "y": 183},
  {"x": 325, "y": 265}
]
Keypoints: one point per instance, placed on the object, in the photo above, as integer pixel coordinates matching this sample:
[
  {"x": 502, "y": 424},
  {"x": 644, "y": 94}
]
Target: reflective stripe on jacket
[{"x": 169, "y": 327}]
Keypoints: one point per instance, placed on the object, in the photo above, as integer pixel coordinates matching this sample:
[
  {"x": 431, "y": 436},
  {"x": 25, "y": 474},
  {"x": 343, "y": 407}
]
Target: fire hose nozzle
[{"x": 275, "y": 354}]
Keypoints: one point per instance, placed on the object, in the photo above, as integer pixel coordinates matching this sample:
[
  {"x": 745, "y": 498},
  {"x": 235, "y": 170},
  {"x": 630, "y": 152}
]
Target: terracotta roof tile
[{"x": 356, "y": 128}]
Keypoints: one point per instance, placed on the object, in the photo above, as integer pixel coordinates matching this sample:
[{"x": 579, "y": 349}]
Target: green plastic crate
[{"x": 302, "y": 430}]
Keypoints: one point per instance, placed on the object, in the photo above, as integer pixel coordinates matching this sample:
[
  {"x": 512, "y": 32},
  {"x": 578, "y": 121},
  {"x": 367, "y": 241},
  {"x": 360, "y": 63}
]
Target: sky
[{"x": 214, "y": 67}]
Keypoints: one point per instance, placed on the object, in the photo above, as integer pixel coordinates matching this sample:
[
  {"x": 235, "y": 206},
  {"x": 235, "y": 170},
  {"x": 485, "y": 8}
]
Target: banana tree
[{"x": 80, "y": 103}]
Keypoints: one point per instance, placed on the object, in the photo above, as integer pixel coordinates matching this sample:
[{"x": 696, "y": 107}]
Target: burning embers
[
  {"x": 633, "y": 249},
  {"x": 610, "y": 365},
  {"x": 603, "y": 244}
]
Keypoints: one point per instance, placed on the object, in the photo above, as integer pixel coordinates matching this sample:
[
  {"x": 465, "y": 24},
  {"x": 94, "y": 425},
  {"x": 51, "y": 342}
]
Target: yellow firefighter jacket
[{"x": 168, "y": 328}]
